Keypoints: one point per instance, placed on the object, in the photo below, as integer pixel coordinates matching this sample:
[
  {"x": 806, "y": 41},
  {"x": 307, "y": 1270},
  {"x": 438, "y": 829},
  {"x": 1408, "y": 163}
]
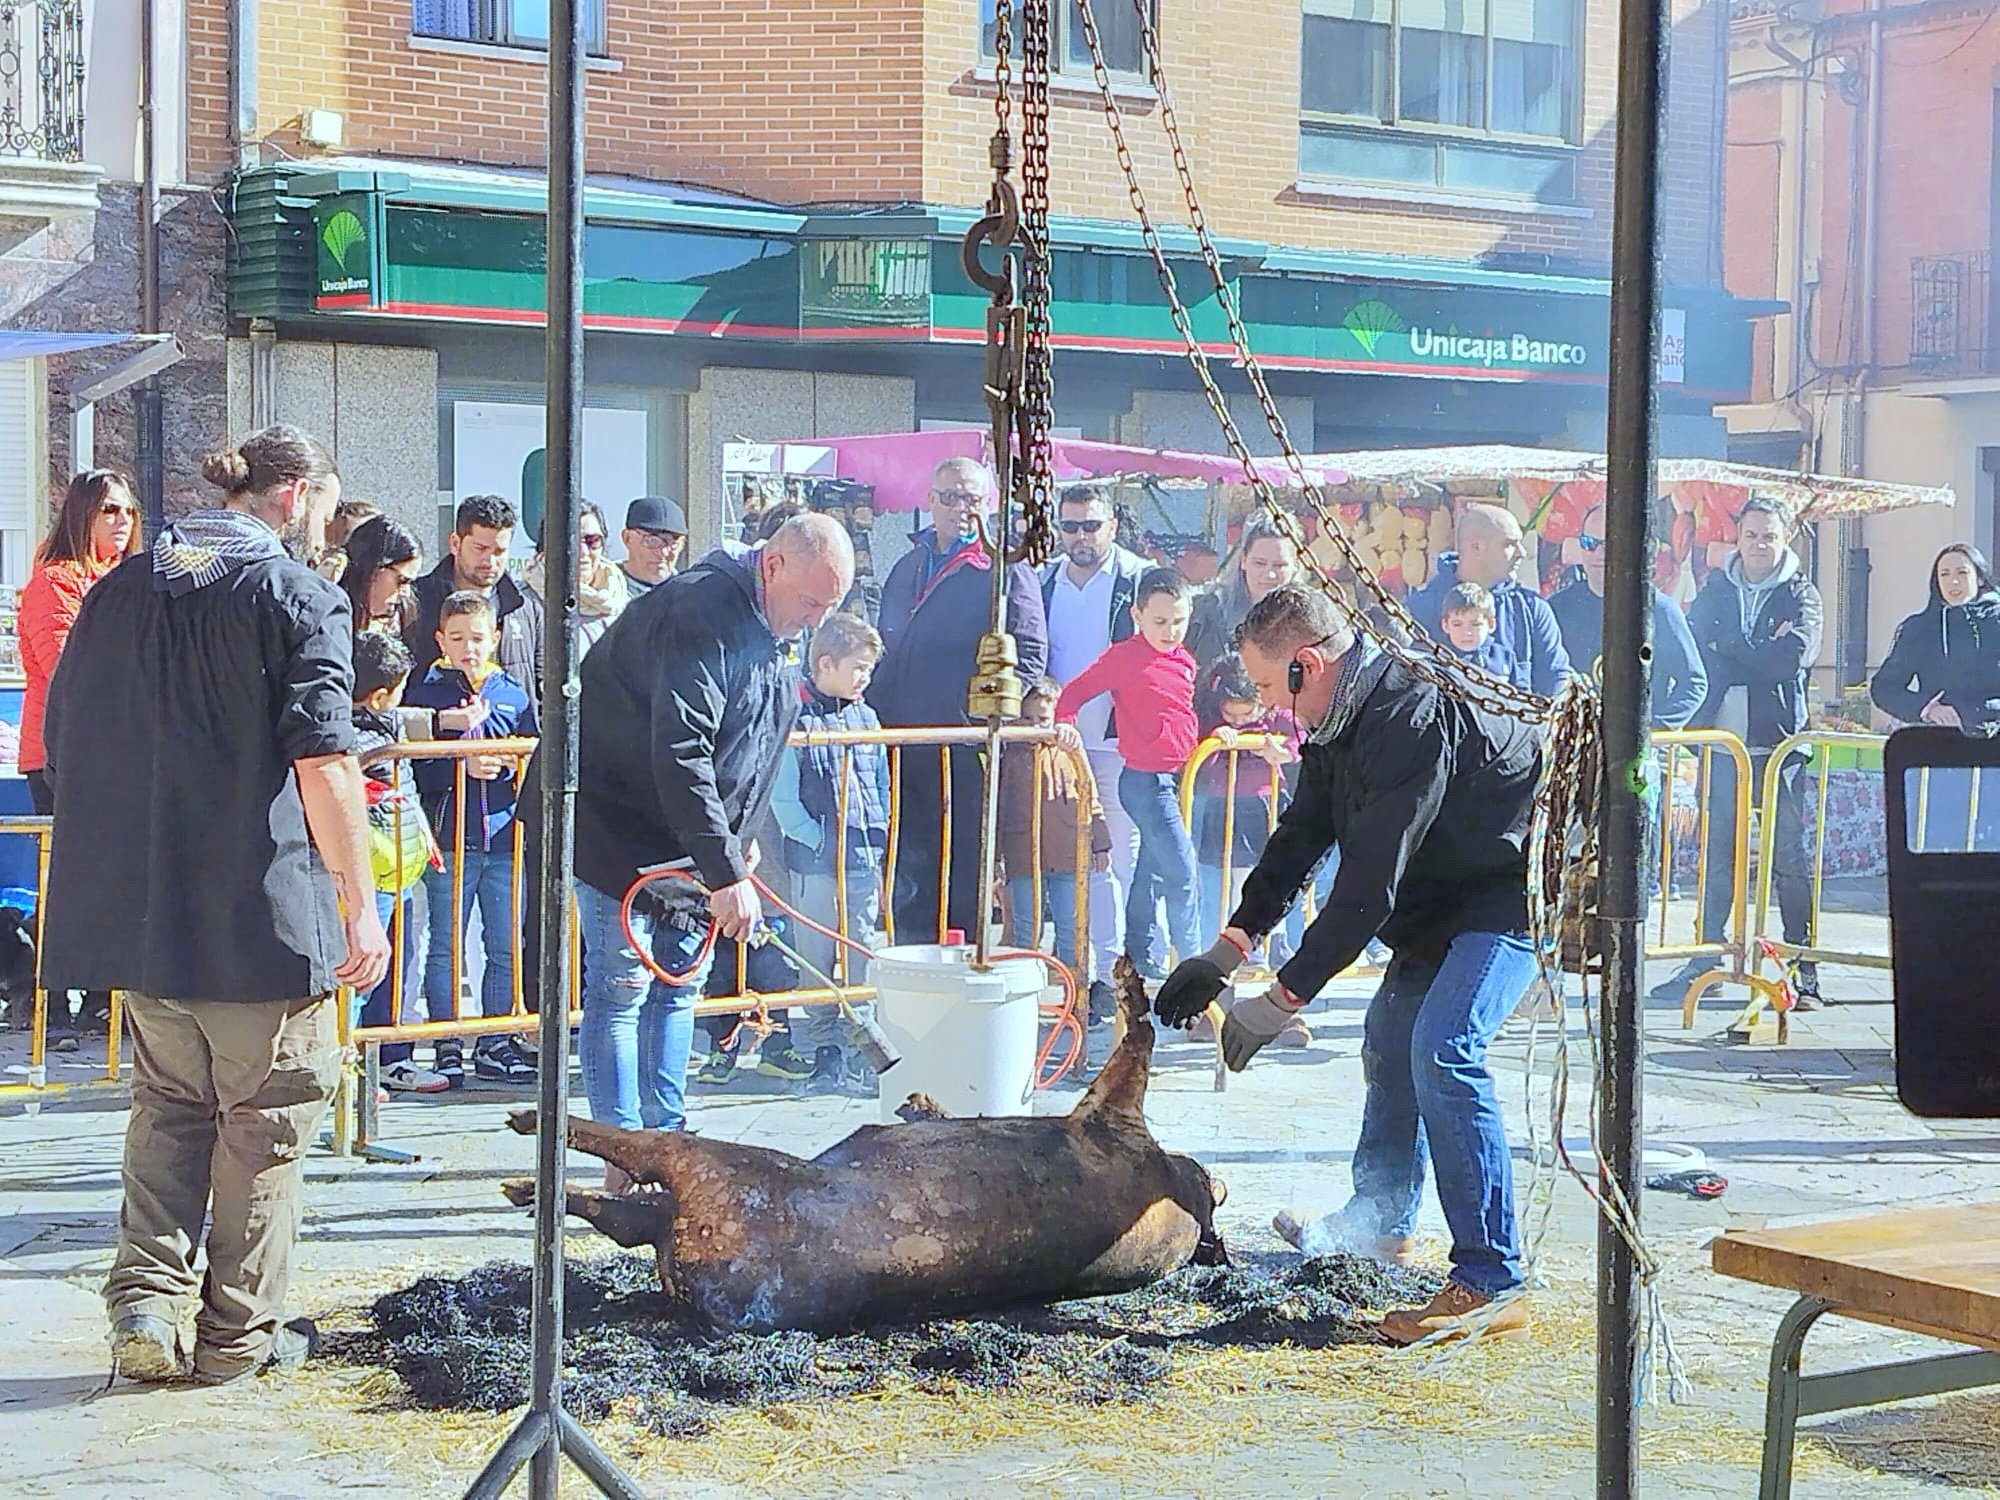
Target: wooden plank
[{"x": 1929, "y": 1270}]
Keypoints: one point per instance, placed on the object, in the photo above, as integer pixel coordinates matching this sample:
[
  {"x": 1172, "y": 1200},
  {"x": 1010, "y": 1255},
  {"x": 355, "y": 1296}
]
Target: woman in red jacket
[{"x": 96, "y": 528}]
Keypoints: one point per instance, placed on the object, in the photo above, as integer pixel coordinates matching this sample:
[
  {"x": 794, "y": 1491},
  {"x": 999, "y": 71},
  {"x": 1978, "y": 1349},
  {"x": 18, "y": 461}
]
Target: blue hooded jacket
[{"x": 1523, "y": 624}]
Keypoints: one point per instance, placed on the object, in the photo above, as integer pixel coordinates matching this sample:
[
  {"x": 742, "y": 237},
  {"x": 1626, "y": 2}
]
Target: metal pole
[
  {"x": 1628, "y": 615},
  {"x": 152, "y": 427},
  {"x": 545, "y": 1432}
]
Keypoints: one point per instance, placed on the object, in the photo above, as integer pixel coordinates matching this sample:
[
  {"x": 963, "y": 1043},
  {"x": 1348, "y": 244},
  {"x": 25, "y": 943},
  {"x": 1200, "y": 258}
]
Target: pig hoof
[
  {"x": 1219, "y": 1189},
  {"x": 522, "y": 1122},
  {"x": 519, "y": 1191}
]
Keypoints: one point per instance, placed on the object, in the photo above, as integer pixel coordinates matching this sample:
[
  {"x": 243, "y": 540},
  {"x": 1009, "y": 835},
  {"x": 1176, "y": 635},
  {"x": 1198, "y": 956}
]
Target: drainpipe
[
  {"x": 1851, "y": 650},
  {"x": 152, "y": 429},
  {"x": 243, "y": 82}
]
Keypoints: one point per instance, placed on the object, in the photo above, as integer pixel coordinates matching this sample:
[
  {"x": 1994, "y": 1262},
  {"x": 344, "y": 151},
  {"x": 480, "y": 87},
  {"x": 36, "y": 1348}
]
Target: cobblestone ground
[{"x": 1808, "y": 1130}]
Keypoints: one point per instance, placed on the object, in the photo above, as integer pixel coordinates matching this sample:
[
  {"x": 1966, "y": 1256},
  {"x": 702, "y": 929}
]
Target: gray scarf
[{"x": 207, "y": 546}]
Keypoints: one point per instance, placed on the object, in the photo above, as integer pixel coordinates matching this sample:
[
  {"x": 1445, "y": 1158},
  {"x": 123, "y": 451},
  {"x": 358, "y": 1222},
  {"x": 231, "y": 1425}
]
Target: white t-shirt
[{"x": 1079, "y": 633}]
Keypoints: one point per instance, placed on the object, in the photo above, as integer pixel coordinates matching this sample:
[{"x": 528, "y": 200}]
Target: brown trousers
[{"x": 225, "y": 1100}]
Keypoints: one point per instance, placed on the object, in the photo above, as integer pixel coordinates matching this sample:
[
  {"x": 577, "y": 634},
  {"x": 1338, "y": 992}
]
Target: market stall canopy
[
  {"x": 32, "y": 343},
  {"x": 1484, "y": 468},
  {"x": 899, "y": 465}
]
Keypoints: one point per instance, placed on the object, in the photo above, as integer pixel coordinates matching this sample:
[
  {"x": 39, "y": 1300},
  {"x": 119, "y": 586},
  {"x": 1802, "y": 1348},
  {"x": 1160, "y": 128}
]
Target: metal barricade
[
  {"x": 38, "y": 1087},
  {"x": 1776, "y": 948},
  {"x": 1734, "y": 951}
]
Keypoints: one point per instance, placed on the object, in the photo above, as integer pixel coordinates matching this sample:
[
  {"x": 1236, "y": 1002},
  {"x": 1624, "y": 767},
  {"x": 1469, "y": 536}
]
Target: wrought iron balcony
[
  {"x": 1951, "y": 316},
  {"x": 42, "y": 69}
]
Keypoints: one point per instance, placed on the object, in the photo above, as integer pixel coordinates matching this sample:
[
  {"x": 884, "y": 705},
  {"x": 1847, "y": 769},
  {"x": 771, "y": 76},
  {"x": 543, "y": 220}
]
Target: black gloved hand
[{"x": 1193, "y": 986}]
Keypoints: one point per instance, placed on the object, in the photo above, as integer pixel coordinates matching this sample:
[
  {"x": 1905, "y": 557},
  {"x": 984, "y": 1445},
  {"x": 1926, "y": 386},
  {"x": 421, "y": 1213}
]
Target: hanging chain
[{"x": 1035, "y": 488}]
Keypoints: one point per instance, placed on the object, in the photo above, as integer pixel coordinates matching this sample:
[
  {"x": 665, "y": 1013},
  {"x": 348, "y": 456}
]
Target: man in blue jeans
[
  {"x": 686, "y": 704},
  {"x": 1429, "y": 800}
]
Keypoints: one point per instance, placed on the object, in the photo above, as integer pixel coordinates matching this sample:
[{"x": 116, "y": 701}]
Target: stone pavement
[{"x": 1811, "y": 1129}]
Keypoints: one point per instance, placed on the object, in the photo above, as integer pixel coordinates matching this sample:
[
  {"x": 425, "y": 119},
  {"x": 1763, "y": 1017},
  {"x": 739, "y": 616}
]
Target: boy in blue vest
[
  {"x": 465, "y": 672},
  {"x": 808, "y": 804},
  {"x": 1470, "y": 617}
]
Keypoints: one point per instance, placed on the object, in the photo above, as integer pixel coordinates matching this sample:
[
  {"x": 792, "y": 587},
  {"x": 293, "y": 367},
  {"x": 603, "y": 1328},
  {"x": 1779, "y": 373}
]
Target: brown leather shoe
[
  {"x": 1453, "y": 1314},
  {"x": 1390, "y": 1250}
]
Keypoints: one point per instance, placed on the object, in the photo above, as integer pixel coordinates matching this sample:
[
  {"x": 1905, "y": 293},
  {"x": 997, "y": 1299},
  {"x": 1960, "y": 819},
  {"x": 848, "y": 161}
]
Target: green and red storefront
[{"x": 873, "y": 307}]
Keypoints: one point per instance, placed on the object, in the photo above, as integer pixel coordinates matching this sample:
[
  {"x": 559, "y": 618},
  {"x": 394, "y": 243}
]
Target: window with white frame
[
  {"x": 1118, "y": 33},
  {"x": 501, "y": 23},
  {"x": 1476, "y": 96}
]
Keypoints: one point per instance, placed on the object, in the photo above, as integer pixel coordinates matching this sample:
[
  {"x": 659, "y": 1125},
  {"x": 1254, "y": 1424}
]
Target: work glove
[
  {"x": 1252, "y": 1023},
  {"x": 1193, "y": 986}
]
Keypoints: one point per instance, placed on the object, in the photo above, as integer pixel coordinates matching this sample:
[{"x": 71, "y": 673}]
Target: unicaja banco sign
[
  {"x": 346, "y": 251},
  {"x": 1382, "y": 333}
]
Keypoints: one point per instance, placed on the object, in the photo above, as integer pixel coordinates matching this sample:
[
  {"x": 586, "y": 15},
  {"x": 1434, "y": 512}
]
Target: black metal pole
[
  {"x": 546, "y": 1432},
  {"x": 152, "y": 426},
  {"x": 1628, "y": 615}
]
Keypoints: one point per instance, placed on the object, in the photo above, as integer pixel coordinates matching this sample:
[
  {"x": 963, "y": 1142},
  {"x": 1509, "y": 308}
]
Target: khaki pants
[{"x": 225, "y": 1099}]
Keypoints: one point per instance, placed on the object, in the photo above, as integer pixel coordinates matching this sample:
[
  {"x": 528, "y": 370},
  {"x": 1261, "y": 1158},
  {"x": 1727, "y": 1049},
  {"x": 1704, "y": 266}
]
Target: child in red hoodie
[{"x": 1150, "y": 677}]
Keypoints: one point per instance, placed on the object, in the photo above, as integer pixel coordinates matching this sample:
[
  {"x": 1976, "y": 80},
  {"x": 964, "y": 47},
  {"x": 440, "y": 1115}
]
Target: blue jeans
[
  {"x": 1423, "y": 1056},
  {"x": 1024, "y": 925},
  {"x": 378, "y": 1009},
  {"x": 636, "y": 1031},
  {"x": 1165, "y": 868},
  {"x": 489, "y": 881}
]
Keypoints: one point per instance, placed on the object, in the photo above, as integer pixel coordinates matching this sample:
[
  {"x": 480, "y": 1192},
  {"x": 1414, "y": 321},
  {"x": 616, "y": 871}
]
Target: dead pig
[{"x": 936, "y": 1216}]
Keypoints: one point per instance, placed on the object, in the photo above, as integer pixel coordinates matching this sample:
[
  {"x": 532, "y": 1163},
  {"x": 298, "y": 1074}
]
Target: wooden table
[{"x": 1933, "y": 1271}]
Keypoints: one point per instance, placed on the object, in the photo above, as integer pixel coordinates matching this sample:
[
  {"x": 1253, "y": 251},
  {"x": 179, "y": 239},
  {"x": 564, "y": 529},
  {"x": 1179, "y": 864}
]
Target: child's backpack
[{"x": 397, "y": 855}]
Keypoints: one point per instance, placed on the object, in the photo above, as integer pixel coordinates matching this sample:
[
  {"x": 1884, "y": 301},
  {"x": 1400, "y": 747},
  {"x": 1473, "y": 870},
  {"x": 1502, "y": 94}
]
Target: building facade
[
  {"x": 1413, "y": 199},
  {"x": 1861, "y": 195}
]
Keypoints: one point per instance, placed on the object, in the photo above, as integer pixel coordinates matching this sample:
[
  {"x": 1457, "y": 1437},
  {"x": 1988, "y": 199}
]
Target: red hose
[{"x": 1064, "y": 1015}]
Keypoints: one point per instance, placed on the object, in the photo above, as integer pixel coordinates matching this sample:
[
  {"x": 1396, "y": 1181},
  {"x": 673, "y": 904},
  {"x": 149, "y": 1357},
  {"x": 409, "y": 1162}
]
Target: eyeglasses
[
  {"x": 1588, "y": 543},
  {"x": 1088, "y": 528},
  {"x": 957, "y": 499},
  {"x": 654, "y": 541},
  {"x": 592, "y": 539}
]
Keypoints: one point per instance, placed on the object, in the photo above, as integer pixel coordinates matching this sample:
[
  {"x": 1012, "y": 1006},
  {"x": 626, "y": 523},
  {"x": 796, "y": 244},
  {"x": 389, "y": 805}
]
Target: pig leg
[
  {"x": 633, "y": 1152},
  {"x": 631, "y": 1222}
]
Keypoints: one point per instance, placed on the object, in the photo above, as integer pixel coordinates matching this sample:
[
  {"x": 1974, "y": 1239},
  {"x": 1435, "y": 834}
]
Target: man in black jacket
[
  {"x": 1429, "y": 800},
  {"x": 482, "y": 534},
  {"x": 220, "y": 877},
  {"x": 686, "y": 703},
  {"x": 936, "y": 603},
  {"x": 1757, "y": 625}
]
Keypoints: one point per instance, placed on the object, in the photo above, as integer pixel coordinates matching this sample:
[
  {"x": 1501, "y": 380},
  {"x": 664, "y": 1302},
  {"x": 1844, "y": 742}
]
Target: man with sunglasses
[
  {"x": 655, "y": 531},
  {"x": 1088, "y": 595},
  {"x": 936, "y": 604},
  {"x": 1680, "y": 681}
]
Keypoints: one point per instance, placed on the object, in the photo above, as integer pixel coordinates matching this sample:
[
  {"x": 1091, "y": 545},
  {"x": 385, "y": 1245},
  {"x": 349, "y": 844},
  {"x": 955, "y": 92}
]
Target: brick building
[
  {"x": 1861, "y": 195},
  {"x": 778, "y": 187}
]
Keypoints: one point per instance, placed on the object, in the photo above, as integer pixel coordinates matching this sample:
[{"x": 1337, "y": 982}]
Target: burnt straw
[{"x": 461, "y": 1343}]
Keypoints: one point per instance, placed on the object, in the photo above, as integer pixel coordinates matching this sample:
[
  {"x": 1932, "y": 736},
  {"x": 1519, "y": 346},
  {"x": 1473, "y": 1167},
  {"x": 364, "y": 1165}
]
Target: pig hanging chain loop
[{"x": 1563, "y": 833}]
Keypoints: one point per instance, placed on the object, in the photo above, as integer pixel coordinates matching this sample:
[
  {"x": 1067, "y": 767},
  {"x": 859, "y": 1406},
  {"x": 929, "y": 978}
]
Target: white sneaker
[{"x": 408, "y": 1078}]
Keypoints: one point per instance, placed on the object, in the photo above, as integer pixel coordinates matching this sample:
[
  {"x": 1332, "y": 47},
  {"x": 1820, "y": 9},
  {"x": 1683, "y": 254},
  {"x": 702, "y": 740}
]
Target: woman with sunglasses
[
  {"x": 96, "y": 528},
  {"x": 600, "y": 585}
]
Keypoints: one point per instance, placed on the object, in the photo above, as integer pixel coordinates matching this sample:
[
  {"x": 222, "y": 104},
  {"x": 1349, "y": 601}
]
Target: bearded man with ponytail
[{"x": 209, "y": 859}]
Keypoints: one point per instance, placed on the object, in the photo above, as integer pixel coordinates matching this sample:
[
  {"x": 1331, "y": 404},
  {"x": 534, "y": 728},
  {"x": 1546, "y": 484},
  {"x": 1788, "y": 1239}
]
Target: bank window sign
[{"x": 347, "y": 234}]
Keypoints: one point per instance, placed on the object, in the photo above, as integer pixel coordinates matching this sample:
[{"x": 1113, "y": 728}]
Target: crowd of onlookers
[{"x": 1138, "y": 662}]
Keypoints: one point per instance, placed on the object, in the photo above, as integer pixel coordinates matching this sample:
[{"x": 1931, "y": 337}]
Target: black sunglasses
[{"x": 1089, "y": 528}]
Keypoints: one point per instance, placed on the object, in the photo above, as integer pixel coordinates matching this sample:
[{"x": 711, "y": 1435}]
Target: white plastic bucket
[{"x": 966, "y": 1038}]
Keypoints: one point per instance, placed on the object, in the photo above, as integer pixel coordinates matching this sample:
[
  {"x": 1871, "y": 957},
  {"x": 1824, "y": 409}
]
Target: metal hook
[{"x": 1000, "y": 226}]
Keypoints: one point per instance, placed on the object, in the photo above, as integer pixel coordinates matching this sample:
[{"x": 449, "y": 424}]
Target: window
[
  {"x": 1118, "y": 32},
  {"x": 502, "y": 23},
  {"x": 1391, "y": 90}
]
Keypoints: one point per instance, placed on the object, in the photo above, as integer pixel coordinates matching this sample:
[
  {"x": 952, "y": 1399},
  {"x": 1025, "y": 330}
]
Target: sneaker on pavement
[
  {"x": 719, "y": 1068},
  {"x": 783, "y": 1062},
  {"x": 144, "y": 1348},
  {"x": 409, "y": 1078},
  {"x": 450, "y": 1064},
  {"x": 1805, "y": 985},
  {"x": 293, "y": 1346},
  {"x": 1293, "y": 1226},
  {"x": 502, "y": 1062},
  {"x": 1456, "y": 1312},
  {"x": 829, "y": 1071},
  {"x": 1674, "y": 991}
]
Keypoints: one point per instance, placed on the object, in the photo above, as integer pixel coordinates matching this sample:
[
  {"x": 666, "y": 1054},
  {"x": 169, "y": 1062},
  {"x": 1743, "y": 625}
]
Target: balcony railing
[
  {"x": 1951, "y": 316},
  {"x": 41, "y": 79}
]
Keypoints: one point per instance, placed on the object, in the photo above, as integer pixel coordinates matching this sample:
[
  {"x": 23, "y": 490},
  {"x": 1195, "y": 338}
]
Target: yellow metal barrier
[
  {"x": 1737, "y": 968},
  {"x": 38, "y": 1085},
  {"x": 1235, "y": 746},
  {"x": 1811, "y": 950}
]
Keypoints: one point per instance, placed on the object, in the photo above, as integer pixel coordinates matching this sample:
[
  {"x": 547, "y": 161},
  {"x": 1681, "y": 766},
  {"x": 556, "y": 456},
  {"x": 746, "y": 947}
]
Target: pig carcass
[{"x": 935, "y": 1216}]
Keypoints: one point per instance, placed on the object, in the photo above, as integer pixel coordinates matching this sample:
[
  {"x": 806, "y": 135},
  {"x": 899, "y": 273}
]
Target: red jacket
[
  {"x": 46, "y": 611},
  {"x": 1152, "y": 692}
]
